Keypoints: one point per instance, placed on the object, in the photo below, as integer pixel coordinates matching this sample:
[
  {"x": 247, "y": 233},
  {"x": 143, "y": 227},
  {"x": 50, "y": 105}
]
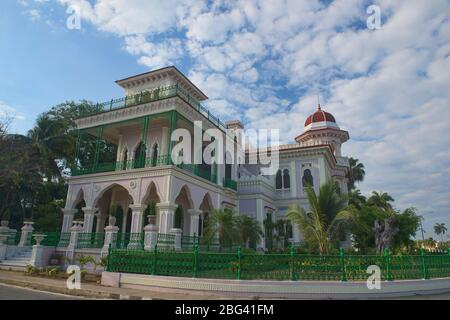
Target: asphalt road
[{"x": 16, "y": 293}]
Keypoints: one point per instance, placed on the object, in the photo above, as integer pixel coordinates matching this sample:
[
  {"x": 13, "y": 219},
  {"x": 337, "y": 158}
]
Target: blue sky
[{"x": 264, "y": 61}]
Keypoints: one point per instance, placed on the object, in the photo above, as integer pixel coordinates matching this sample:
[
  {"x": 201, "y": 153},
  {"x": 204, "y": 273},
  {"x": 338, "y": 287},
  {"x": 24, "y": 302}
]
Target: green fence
[
  {"x": 293, "y": 266},
  {"x": 90, "y": 240},
  {"x": 128, "y": 240}
]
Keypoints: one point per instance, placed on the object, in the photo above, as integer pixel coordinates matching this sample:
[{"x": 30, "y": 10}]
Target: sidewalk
[{"x": 93, "y": 291}]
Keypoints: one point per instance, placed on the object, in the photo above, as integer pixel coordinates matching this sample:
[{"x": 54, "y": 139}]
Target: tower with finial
[{"x": 321, "y": 129}]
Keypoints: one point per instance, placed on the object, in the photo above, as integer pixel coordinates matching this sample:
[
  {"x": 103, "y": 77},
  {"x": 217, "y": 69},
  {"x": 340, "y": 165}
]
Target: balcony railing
[
  {"x": 210, "y": 175},
  {"x": 155, "y": 95},
  {"x": 229, "y": 183}
]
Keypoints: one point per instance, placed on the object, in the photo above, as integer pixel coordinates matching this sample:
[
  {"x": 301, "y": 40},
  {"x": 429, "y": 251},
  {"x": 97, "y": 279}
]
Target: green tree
[
  {"x": 50, "y": 138},
  {"x": 355, "y": 174},
  {"x": 356, "y": 199},
  {"x": 220, "y": 223},
  {"x": 407, "y": 223},
  {"x": 328, "y": 216},
  {"x": 380, "y": 200},
  {"x": 440, "y": 229},
  {"x": 247, "y": 231}
]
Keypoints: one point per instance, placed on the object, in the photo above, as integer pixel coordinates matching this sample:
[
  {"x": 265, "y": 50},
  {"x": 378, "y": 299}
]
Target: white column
[
  {"x": 260, "y": 217},
  {"x": 178, "y": 234},
  {"x": 67, "y": 218},
  {"x": 195, "y": 218},
  {"x": 110, "y": 238},
  {"x": 322, "y": 172},
  {"x": 166, "y": 213},
  {"x": 164, "y": 141},
  {"x": 3, "y": 245},
  {"x": 25, "y": 237},
  {"x": 293, "y": 176},
  {"x": 88, "y": 219},
  {"x": 74, "y": 231},
  {"x": 137, "y": 217},
  {"x": 151, "y": 237}
]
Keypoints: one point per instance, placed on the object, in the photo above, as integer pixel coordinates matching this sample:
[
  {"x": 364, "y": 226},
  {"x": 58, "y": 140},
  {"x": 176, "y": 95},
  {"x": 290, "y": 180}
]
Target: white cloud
[
  {"x": 7, "y": 111},
  {"x": 154, "y": 55},
  {"x": 269, "y": 59}
]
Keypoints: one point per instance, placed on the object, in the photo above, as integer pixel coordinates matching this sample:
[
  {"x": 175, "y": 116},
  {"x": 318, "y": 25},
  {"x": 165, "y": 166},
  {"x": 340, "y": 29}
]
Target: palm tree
[
  {"x": 221, "y": 223},
  {"x": 355, "y": 174},
  {"x": 440, "y": 229},
  {"x": 247, "y": 230},
  {"x": 327, "y": 218},
  {"x": 381, "y": 200},
  {"x": 49, "y": 138},
  {"x": 356, "y": 199}
]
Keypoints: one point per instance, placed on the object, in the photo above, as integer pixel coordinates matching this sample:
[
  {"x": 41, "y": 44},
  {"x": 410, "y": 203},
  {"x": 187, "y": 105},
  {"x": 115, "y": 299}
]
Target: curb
[{"x": 75, "y": 293}]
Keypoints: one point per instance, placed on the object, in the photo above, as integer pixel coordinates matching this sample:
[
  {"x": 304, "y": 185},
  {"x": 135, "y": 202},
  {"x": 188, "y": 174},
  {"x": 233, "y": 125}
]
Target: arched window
[
  {"x": 279, "y": 180},
  {"x": 286, "y": 179},
  {"x": 125, "y": 160},
  {"x": 307, "y": 179},
  {"x": 228, "y": 163},
  {"x": 178, "y": 217},
  {"x": 200, "y": 226},
  {"x": 139, "y": 155}
]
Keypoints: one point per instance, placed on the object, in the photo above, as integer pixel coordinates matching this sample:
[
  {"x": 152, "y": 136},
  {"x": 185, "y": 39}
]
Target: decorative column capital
[
  {"x": 137, "y": 207},
  {"x": 89, "y": 210},
  {"x": 194, "y": 212},
  {"x": 27, "y": 226},
  {"x": 167, "y": 206},
  {"x": 69, "y": 211},
  {"x": 77, "y": 226}
]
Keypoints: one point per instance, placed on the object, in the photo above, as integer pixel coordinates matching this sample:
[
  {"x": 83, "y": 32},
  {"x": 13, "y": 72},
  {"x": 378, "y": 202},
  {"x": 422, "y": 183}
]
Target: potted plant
[{"x": 112, "y": 215}]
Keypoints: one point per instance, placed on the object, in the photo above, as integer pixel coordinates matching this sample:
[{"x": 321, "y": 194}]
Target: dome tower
[{"x": 321, "y": 129}]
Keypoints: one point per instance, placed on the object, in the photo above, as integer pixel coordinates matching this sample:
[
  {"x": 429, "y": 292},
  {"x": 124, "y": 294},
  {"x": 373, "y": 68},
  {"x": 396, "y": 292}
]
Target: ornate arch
[
  {"x": 99, "y": 195},
  {"x": 147, "y": 194}
]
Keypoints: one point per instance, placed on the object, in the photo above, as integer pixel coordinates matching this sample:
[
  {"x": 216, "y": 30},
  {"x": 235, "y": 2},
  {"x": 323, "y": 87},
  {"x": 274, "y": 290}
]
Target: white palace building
[{"x": 123, "y": 159}]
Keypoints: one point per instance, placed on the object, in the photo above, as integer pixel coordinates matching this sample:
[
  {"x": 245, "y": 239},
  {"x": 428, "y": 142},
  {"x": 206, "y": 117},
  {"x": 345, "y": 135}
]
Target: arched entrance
[
  {"x": 206, "y": 208},
  {"x": 115, "y": 200},
  {"x": 150, "y": 199},
  {"x": 184, "y": 202}
]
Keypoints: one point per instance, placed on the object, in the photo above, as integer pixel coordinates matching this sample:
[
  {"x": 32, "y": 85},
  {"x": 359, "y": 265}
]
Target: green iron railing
[
  {"x": 166, "y": 240},
  {"x": 90, "y": 240},
  {"x": 64, "y": 239},
  {"x": 293, "y": 266},
  {"x": 155, "y": 95},
  {"x": 128, "y": 240},
  {"x": 146, "y": 163},
  {"x": 229, "y": 183}
]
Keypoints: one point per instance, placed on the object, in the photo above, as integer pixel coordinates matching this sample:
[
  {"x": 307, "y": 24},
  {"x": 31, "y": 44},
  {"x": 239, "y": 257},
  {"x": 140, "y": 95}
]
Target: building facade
[{"x": 124, "y": 160}]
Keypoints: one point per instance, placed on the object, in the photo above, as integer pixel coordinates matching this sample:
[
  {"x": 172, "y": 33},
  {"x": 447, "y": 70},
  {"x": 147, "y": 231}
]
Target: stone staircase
[{"x": 18, "y": 261}]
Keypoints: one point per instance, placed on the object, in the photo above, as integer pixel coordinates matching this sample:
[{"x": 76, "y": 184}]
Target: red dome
[{"x": 319, "y": 116}]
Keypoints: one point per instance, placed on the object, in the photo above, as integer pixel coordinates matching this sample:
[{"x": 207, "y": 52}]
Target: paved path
[
  {"x": 92, "y": 290},
  {"x": 8, "y": 292}
]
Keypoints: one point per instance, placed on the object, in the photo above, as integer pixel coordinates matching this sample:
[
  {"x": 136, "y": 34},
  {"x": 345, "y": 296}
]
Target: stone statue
[{"x": 384, "y": 233}]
